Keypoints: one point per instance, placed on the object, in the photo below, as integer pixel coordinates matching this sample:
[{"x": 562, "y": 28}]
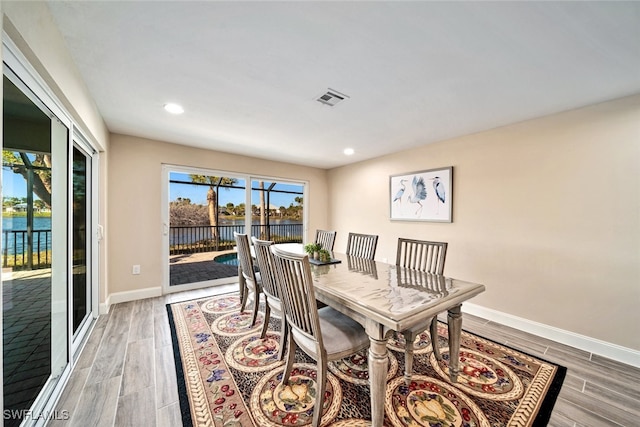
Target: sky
[
  {"x": 198, "y": 193},
  {"x": 15, "y": 186}
]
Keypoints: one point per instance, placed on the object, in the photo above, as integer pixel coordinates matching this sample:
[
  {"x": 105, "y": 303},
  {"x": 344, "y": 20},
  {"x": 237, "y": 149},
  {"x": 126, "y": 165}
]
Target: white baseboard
[
  {"x": 126, "y": 296},
  {"x": 612, "y": 351},
  {"x": 103, "y": 308}
]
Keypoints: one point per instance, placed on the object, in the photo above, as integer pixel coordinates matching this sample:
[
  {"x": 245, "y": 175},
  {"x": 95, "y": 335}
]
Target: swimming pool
[{"x": 229, "y": 259}]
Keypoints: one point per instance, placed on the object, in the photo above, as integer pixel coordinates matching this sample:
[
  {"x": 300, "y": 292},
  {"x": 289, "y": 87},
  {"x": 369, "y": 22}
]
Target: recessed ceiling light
[
  {"x": 173, "y": 108},
  {"x": 348, "y": 151}
]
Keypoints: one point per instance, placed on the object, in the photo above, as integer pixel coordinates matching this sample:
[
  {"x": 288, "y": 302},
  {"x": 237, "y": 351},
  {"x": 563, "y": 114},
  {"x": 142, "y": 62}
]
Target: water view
[
  {"x": 14, "y": 230},
  {"x": 288, "y": 227}
]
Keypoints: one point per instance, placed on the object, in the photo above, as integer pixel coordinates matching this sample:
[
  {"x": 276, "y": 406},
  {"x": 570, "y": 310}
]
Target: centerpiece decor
[{"x": 313, "y": 249}]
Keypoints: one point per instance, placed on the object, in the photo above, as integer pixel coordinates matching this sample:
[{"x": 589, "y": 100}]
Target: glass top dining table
[{"x": 386, "y": 298}]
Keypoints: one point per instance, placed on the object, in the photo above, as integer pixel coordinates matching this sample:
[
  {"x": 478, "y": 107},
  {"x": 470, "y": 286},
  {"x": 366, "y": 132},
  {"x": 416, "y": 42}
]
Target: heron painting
[
  {"x": 438, "y": 187},
  {"x": 419, "y": 193},
  {"x": 400, "y": 192},
  {"x": 428, "y": 198}
]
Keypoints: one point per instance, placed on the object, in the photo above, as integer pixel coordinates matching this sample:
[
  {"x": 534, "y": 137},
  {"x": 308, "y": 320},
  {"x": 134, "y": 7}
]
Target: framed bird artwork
[{"x": 422, "y": 196}]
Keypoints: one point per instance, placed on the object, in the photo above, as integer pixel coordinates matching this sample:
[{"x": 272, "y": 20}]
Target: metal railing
[
  {"x": 279, "y": 233},
  {"x": 205, "y": 238},
  {"x": 21, "y": 252}
]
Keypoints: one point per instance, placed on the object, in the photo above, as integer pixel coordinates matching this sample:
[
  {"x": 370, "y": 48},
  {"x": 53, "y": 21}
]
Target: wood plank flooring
[{"x": 126, "y": 375}]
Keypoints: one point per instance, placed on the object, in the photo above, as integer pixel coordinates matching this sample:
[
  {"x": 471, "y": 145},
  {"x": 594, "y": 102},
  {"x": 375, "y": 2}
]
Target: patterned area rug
[{"x": 228, "y": 376}]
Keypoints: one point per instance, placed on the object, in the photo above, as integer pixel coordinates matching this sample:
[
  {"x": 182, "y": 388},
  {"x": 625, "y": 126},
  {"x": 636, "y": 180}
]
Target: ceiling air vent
[{"x": 332, "y": 97}]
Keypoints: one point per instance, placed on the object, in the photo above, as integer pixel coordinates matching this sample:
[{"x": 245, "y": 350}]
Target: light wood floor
[{"x": 126, "y": 373}]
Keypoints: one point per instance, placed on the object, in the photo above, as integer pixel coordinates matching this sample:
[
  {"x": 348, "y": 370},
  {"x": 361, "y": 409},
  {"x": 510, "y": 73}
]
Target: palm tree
[
  {"x": 231, "y": 208},
  {"x": 212, "y": 199}
]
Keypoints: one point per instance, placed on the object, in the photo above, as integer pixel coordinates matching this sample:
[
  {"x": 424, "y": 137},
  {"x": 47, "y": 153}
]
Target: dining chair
[
  {"x": 326, "y": 239},
  {"x": 429, "y": 257},
  {"x": 324, "y": 334},
  {"x": 247, "y": 273},
  {"x": 421, "y": 255},
  {"x": 270, "y": 289},
  {"x": 362, "y": 245}
]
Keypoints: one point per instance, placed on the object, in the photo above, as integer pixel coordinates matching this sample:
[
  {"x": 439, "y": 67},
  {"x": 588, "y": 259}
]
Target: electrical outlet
[{"x": 136, "y": 269}]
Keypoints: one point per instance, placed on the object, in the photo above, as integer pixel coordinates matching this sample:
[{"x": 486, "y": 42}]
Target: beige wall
[
  {"x": 546, "y": 214},
  {"x": 135, "y": 192}
]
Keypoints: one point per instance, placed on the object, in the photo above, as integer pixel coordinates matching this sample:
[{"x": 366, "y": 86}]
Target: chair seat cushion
[
  {"x": 274, "y": 302},
  {"x": 340, "y": 333},
  {"x": 249, "y": 281}
]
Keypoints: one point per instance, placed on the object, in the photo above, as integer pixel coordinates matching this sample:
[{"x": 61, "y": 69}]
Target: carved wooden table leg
[
  {"x": 454, "y": 321},
  {"x": 409, "y": 338},
  {"x": 433, "y": 331},
  {"x": 378, "y": 365}
]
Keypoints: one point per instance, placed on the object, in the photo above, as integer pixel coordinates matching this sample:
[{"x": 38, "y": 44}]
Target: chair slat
[
  {"x": 326, "y": 239},
  {"x": 271, "y": 289},
  {"x": 362, "y": 245},
  {"x": 421, "y": 255},
  {"x": 247, "y": 271}
]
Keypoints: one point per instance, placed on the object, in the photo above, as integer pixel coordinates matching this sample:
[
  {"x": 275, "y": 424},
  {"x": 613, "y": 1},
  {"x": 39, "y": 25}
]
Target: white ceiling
[{"x": 248, "y": 73}]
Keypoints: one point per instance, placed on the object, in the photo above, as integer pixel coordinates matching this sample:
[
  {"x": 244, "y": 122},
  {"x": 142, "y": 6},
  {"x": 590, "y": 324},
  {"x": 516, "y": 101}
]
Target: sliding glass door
[
  {"x": 83, "y": 244},
  {"x": 202, "y": 210},
  {"x": 34, "y": 286},
  {"x": 47, "y": 247}
]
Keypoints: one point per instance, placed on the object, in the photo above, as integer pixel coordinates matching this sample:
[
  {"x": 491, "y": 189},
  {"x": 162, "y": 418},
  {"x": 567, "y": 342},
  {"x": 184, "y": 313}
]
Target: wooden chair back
[
  {"x": 271, "y": 290},
  {"x": 244, "y": 256},
  {"x": 362, "y": 245},
  {"x": 421, "y": 255},
  {"x": 326, "y": 239},
  {"x": 297, "y": 294},
  {"x": 306, "y": 325},
  {"x": 264, "y": 260}
]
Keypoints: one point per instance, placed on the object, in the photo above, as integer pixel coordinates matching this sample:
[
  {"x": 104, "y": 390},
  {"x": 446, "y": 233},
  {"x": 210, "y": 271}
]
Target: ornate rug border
[
  {"x": 183, "y": 396},
  {"x": 552, "y": 391}
]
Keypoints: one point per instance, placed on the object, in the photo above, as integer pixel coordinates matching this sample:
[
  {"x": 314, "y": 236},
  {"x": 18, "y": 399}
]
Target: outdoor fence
[
  {"x": 205, "y": 238},
  {"x": 21, "y": 253}
]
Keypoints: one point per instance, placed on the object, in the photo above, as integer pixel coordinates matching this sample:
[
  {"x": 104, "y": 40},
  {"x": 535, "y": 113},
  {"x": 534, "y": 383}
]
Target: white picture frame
[{"x": 422, "y": 196}]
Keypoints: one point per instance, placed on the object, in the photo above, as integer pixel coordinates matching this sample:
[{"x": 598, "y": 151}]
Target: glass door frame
[
  {"x": 80, "y": 336},
  {"x": 166, "y": 171},
  {"x": 18, "y": 69},
  {"x": 248, "y": 178}
]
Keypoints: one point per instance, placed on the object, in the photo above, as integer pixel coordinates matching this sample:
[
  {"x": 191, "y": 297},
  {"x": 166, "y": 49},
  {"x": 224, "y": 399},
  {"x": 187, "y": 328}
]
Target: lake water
[
  {"x": 227, "y": 227},
  {"x": 9, "y": 224},
  {"x": 44, "y": 223},
  {"x": 20, "y": 223}
]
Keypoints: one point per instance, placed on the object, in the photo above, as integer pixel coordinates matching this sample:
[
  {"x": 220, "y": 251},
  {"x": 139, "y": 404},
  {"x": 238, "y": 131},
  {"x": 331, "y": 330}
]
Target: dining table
[{"x": 386, "y": 298}]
